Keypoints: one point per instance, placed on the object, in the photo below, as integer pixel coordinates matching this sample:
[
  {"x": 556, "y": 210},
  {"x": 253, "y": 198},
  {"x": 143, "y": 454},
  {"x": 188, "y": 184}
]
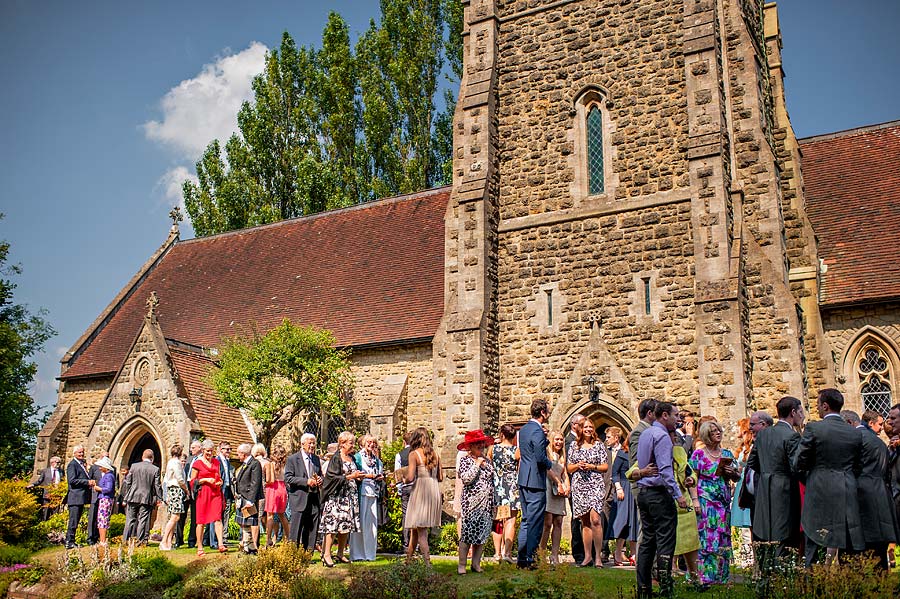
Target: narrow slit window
[
  {"x": 595, "y": 150},
  {"x": 549, "y": 307},
  {"x": 646, "y": 295}
]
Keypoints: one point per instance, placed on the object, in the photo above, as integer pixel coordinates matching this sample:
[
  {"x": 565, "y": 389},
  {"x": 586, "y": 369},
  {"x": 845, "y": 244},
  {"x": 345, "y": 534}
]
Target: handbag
[{"x": 248, "y": 509}]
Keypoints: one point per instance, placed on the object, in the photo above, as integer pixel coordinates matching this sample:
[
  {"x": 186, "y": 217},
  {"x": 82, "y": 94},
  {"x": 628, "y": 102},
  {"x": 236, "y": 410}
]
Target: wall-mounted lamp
[
  {"x": 593, "y": 383},
  {"x": 135, "y": 397}
]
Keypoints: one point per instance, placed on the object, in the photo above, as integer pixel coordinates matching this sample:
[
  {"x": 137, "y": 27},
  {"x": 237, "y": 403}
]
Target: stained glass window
[
  {"x": 875, "y": 381},
  {"x": 595, "y": 151}
]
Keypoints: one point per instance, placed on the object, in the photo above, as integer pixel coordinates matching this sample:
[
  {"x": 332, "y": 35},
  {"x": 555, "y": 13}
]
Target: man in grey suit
[
  {"x": 142, "y": 491},
  {"x": 876, "y": 506},
  {"x": 47, "y": 479},
  {"x": 303, "y": 478},
  {"x": 776, "y": 514},
  {"x": 829, "y": 452}
]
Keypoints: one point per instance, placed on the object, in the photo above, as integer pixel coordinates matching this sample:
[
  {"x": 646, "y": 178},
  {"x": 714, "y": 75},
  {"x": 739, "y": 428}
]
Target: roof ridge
[
  {"x": 849, "y": 132},
  {"x": 311, "y": 217}
]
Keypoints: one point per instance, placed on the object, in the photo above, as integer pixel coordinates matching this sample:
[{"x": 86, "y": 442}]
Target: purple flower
[{"x": 13, "y": 568}]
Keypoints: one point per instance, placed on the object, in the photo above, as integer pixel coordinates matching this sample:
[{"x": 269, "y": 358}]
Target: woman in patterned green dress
[{"x": 713, "y": 492}]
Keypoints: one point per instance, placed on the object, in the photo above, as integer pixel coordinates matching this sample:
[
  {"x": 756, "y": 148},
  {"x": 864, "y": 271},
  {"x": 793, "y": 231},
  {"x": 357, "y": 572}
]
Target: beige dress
[{"x": 424, "y": 509}]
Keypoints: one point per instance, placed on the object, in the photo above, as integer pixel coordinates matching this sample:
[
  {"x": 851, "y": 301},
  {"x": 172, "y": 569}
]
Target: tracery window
[
  {"x": 874, "y": 370},
  {"x": 591, "y": 160}
]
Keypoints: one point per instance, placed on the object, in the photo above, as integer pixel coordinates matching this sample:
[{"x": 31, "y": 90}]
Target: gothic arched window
[
  {"x": 595, "y": 150},
  {"x": 875, "y": 380}
]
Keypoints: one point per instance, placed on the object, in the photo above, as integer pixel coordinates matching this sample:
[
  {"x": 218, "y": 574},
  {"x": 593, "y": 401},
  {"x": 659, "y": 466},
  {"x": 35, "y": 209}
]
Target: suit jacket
[
  {"x": 226, "y": 472},
  {"x": 45, "y": 479},
  {"x": 894, "y": 474},
  {"x": 79, "y": 484},
  {"x": 876, "y": 506},
  {"x": 248, "y": 481},
  {"x": 776, "y": 515},
  {"x": 142, "y": 484},
  {"x": 829, "y": 450},
  {"x": 96, "y": 474},
  {"x": 296, "y": 478},
  {"x": 533, "y": 460},
  {"x": 633, "y": 439}
]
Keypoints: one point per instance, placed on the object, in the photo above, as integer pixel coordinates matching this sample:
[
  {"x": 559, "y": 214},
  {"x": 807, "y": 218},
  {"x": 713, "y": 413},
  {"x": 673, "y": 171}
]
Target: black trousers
[
  {"x": 93, "y": 533},
  {"x": 75, "y": 512},
  {"x": 305, "y": 525},
  {"x": 190, "y": 507},
  {"x": 659, "y": 519},
  {"x": 405, "y": 492}
]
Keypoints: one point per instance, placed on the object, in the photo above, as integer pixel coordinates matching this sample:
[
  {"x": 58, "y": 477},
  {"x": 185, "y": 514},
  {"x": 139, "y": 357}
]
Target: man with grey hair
[
  {"x": 760, "y": 420},
  {"x": 303, "y": 478},
  {"x": 79, "y": 492},
  {"x": 851, "y": 418},
  {"x": 248, "y": 490},
  {"x": 47, "y": 479}
]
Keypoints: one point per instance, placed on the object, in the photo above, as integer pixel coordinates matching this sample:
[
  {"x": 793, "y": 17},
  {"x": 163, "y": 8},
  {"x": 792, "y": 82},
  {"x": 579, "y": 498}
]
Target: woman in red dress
[{"x": 206, "y": 481}]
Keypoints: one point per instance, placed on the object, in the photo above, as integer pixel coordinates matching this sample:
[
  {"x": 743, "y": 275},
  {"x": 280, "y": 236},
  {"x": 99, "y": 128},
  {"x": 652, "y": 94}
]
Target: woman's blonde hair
[
  {"x": 550, "y": 438},
  {"x": 346, "y": 436},
  {"x": 706, "y": 430},
  {"x": 615, "y": 430},
  {"x": 258, "y": 450}
]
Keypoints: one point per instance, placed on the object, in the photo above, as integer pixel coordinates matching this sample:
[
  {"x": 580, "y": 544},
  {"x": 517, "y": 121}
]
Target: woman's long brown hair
[{"x": 422, "y": 439}]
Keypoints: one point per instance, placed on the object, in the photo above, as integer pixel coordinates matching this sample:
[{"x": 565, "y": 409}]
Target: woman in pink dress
[
  {"x": 206, "y": 482},
  {"x": 276, "y": 493}
]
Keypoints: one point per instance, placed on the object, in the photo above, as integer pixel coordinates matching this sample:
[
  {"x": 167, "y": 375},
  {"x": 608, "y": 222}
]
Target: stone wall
[
  {"x": 847, "y": 330},
  {"x": 84, "y": 398},
  {"x": 394, "y": 388}
]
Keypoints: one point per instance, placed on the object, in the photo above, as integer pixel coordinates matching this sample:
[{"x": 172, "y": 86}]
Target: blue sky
[{"x": 107, "y": 105}]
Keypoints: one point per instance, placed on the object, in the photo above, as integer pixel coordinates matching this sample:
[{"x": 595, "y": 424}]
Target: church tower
[{"x": 616, "y": 228}]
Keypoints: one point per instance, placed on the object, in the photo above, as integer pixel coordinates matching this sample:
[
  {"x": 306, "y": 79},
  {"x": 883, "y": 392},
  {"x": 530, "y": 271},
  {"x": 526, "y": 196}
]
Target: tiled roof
[
  {"x": 852, "y": 182},
  {"x": 217, "y": 421},
  {"x": 372, "y": 274}
]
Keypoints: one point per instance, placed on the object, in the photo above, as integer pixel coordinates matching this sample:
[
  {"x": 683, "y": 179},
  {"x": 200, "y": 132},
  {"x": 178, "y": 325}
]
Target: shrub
[
  {"x": 316, "y": 587},
  {"x": 854, "y": 577},
  {"x": 446, "y": 542},
  {"x": 54, "y": 528},
  {"x": 390, "y": 534},
  {"x": 401, "y": 580},
  {"x": 269, "y": 575},
  {"x": 18, "y": 511},
  {"x": 11, "y": 555},
  {"x": 211, "y": 582},
  {"x": 150, "y": 576}
]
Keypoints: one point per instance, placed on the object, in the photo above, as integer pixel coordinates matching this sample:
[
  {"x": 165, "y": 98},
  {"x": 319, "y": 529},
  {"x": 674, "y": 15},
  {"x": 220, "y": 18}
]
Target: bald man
[{"x": 142, "y": 492}]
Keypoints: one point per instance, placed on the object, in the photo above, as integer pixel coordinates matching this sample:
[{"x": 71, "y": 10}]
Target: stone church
[{"x": 631, "y": 216}]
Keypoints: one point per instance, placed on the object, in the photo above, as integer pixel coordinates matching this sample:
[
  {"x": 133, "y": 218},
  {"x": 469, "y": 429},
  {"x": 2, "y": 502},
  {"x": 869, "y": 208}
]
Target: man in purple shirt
[{"x": 659, "y": 519}]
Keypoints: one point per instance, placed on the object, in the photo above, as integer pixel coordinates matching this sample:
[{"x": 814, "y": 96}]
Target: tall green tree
[
  {"x": 279, "y": 375},
  {"x": 22, "y": 335},
  {"x": 333, "y": 127}
]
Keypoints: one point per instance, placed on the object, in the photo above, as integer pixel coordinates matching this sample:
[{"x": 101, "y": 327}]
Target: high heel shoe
[
  {"x": 327, "y": 564},
  {"x": 344, "y": 560},
  {"x": 223, "y": 549}
]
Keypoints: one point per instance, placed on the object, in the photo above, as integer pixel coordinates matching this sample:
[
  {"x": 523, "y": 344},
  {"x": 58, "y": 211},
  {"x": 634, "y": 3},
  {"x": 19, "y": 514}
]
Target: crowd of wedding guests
[{"x": 664, "y": 495}]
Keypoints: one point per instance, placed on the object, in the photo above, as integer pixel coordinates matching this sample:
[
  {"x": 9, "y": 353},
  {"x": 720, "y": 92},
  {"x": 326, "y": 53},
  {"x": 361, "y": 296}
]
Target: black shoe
[
  {"x": 326, "y": 564},
  {"x": 72, "y": 545}
]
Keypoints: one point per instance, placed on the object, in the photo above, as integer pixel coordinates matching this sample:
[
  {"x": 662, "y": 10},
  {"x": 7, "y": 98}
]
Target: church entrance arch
[
  {"x": 603, "y": 413},
  {"x": 133, "y": 438}
]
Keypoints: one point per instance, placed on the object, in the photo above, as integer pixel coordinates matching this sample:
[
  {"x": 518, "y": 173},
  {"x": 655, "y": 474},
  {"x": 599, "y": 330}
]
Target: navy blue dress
[{"x": 626, "y": 523}]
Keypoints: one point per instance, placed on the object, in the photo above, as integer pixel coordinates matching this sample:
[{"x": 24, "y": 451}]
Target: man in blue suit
[{"x": 534, "y": 467}]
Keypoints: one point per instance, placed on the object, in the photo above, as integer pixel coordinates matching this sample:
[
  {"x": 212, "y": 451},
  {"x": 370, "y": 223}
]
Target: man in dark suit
[
  {"x": 876, "y": 506},
  {"x": 534, "y": 467},
  {"x": 142, "y": 492},
  {"x": 95, "y": 473},
  {"x": 189, "y": 503},
  {"x": 48, "y": 478},
  {"x": 776, "y": 513},
  {"x": 892, "y": 429},
  {"x": 79, "y": 492},
  {"x": 248, "y": 491},
  {"x": 577, "y": 542},
  {"x": 829, "y": 452},
  {"x": 303, "y": 478}
]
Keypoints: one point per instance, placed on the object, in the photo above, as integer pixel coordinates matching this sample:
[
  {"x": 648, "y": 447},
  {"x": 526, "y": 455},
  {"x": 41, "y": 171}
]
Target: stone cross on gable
[{"x": 152, "y": 303}]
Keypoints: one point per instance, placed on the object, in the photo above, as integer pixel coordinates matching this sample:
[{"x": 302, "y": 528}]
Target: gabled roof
[
  {"x": 852, "y": 184},
  {"x": 217, "y": 421},
  {"x": 373, "y": 274}
]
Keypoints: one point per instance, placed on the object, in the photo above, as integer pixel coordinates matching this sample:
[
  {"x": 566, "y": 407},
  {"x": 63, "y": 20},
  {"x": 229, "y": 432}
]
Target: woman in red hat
[{"x": 477, "y": 498}]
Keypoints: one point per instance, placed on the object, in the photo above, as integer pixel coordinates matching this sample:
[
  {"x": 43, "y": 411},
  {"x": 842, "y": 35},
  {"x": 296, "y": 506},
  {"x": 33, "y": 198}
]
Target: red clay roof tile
[
  {"x": 371, "y": 274},
  {"x": 852, "y": 181}
]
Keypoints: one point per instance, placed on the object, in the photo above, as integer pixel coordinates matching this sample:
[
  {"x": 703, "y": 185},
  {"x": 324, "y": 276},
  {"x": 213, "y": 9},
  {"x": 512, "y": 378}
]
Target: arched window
[
  {"x": 595, "y": 150},
  {"x": 592, "y": 158},
  {"x": 875, "y": 379}
]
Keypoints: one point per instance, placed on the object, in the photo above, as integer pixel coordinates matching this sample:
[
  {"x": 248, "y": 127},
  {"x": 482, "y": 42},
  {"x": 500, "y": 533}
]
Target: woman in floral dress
[
  {"x": 340, "y": 510},
  {"x": 505, "y": 460},
  {"x": 588, "y": 461},
  {"x": 714, "y": 496},
  {"x": 476, "y": 498}
]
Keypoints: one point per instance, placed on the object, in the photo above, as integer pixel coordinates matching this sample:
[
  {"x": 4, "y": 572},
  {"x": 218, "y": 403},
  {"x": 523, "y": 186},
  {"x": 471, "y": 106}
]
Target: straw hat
[{"x": 104, "y": 463}]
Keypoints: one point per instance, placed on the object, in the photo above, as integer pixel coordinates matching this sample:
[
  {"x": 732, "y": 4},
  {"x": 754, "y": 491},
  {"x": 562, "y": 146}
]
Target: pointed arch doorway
[
  {"x": 603, "y": 413},
  {"x": 133, "y": 438}
]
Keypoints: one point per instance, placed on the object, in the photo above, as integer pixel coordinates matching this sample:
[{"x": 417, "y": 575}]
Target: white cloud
[
  {"x": 204, "y": 108},
  {"x": 170, "y": 185}
]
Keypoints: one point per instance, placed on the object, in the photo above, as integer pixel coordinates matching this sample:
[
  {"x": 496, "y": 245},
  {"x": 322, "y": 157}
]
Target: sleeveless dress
[
  {"x": 687, "y": 538},
  {"x": 556, "y": 504},
  {"x": 506, "y": 480},
  {"x": 276, "y": 495},
  {"x": 209, "y": 497},
  {"x": 424, "y": 509}
]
